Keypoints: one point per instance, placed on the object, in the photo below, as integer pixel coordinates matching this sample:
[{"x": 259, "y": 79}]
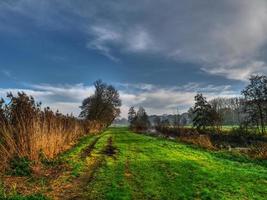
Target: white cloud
[
  {"x": 156, "y": 100},
  {"x": 224, "y": 37},
  {"x": 139, "y": 86},
  {"x": 66, "y": 107},
  {"x": 162, "y": 100},
  {"x": 106, "y": 36},
  {"x": 240, "y": 72},
  {"x": 65, "y": 98},
  {"x": 37, "y": 94},
  {"x": 73, "y": 92},
  {"x": 103, "y": 35},
  {"x": 139, "y": 41}
]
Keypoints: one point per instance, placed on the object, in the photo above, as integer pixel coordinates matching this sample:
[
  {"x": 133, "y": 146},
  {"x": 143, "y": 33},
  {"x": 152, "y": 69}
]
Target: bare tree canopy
[
  {"x": 255, "y": 95},
  {"x": 139, "y": 120}
]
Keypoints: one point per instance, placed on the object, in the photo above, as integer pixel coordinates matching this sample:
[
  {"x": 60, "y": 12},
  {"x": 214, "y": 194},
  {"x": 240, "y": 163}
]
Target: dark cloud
[
  {"x": 222, "y": 37},
  {"x": 157, "y": 47}
]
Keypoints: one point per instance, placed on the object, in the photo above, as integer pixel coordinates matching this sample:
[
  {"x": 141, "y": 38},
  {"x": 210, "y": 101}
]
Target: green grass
[
  {"x": 72, "y": 157},
  {"x": 15, "y": 196},
  {"x": 152, "y": 168}
]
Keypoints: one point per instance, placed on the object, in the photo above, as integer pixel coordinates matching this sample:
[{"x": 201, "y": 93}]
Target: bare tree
[
  {"x": 255, "y": 95},
  {"x": 131, "y": 117},
  {"x": 139, "y": 121}
]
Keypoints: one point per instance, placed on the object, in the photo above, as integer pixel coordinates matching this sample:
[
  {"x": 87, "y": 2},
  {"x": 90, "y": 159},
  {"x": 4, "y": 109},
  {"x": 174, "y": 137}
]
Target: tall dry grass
[{"x": 26, "y": 130}]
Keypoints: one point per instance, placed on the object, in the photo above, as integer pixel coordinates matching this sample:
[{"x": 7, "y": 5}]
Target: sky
[{"x": 157, "y": 53}]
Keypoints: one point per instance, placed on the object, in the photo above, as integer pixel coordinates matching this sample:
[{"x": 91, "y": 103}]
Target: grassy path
[{"x": 149, "y": 168}]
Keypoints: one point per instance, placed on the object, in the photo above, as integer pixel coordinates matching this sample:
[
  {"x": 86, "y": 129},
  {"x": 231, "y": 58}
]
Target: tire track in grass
[
  {"x": 110, "y": 177},
  {"x": 83, "y": 162},
  {"x": 87, "y": 152},
  {"x": 115, "y": 179},
  {"x": 96, "y": 156}
]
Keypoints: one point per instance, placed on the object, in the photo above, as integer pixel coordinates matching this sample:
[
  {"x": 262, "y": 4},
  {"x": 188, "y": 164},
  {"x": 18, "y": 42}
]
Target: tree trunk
[{"x": 261, "y": 119}]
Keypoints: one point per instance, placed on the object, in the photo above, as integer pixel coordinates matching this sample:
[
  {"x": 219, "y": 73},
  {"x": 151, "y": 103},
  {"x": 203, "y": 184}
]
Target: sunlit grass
[{"x": 152, "y": 168}]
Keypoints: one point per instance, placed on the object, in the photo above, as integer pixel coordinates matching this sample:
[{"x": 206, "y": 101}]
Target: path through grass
[{"x": 150, "y": 168}]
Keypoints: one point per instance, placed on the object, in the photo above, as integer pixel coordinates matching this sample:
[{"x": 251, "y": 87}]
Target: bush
[
  {"x": 20, "y": 166},
  {"x": 199, "y": 140},
  {"x": 258, "y": 151}
]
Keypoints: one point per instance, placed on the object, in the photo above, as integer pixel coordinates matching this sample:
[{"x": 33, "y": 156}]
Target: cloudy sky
[{"x": 158, "y": 53}]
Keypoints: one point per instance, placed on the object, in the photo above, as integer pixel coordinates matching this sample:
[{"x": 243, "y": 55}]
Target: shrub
[
  {"x": 20, "y": 166},
  {"x": 259, "y": 151},
  {"x": 199, "y": 140}
]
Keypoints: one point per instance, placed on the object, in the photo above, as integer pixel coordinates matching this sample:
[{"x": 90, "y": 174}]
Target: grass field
[
  {"x": 120, "y": 164},
  {"x": 149, "y": 168}
]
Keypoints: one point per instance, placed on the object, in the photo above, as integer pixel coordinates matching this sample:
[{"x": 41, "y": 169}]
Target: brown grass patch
[
  {"x": 199, "y": 140},
  {"x": 127, "y": 172}
]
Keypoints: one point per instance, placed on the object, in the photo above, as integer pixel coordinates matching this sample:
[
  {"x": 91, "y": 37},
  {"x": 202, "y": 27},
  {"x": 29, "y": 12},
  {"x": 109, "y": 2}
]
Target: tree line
[{"x": 248, "y": 111}]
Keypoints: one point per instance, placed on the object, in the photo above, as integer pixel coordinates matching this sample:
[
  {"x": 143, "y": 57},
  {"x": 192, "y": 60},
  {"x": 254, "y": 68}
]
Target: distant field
[{"x": 120, "y": 164}]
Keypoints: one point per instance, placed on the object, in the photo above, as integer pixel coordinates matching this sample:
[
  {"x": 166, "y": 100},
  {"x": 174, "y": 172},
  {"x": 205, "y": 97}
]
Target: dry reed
[{"x": 26, "y": 130}]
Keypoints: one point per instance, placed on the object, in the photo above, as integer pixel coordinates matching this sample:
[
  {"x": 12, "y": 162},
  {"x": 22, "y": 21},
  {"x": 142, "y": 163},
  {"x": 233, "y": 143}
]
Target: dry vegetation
[{"x": 27, "y": 131}]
